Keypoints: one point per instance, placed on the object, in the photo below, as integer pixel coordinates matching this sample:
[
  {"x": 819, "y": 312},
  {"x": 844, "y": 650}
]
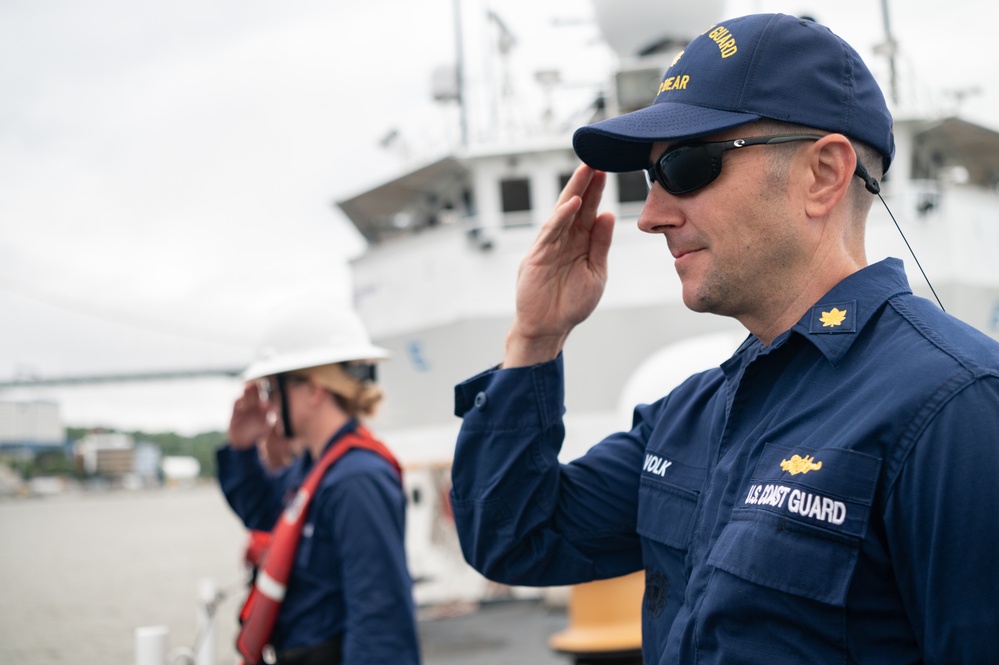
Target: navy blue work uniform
[
  {"x": 350, "y": 577},
  {"x": 830, "y": 498}
]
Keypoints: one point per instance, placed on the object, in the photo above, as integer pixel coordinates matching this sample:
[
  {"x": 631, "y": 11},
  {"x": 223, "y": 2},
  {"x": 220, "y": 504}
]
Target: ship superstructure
[{"x": 436, "y": 283}]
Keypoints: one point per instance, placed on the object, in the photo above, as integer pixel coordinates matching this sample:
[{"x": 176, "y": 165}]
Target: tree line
[{"x": 61, "y": 463}]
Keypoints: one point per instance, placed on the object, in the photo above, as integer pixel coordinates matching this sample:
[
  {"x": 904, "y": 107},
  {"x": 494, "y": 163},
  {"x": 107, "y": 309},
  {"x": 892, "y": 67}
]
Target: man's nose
[{"x": 660, "y": 212}]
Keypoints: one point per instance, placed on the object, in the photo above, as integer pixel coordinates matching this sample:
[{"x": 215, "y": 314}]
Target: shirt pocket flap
[
  {"x": 797, "y": 528},
  {"x": 666, "y": 513},
  {"x": 791, "y": 561}
]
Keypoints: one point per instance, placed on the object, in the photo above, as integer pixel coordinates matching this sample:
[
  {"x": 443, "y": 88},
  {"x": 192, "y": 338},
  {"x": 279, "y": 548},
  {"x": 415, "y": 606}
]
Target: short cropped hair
[{"x": 779, "y": 154}]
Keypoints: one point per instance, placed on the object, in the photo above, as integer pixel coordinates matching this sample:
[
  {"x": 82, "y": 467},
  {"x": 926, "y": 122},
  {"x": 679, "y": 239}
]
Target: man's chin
[{"x": 694, "y": 301}]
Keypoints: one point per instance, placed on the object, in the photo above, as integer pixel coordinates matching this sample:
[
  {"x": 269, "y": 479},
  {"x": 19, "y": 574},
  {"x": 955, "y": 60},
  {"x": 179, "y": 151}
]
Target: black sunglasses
[{"x": 686, "y": 167}]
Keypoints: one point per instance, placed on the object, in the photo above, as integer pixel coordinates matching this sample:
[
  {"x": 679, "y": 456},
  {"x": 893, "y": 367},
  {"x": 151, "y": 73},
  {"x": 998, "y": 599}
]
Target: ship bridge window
[
  {"x": 515, "y": 194},
  {"x": 631, "y": 187}
]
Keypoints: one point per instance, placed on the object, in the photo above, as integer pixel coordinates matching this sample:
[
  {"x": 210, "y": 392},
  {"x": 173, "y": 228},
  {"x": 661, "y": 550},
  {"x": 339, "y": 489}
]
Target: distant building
[
  {"x": 27, "y": 426},
  {"x": 106, "y": 454},
  {"x": 146, "y": 463},
  {"x": 180, "y": 470}
]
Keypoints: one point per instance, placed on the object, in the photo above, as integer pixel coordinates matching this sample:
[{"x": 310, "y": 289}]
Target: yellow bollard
[{"x": 605, "y": 621}]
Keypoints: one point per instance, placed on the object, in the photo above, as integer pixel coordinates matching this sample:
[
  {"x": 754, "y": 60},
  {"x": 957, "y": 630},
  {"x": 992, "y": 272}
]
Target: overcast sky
[{"x": 167, "y": 169}]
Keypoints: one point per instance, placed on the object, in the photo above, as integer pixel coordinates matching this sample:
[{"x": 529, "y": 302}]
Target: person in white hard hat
[{"x": 323, "y": 499}]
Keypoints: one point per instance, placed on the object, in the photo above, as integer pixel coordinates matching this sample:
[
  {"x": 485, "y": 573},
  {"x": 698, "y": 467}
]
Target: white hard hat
[{"x": 312, "y": 336}]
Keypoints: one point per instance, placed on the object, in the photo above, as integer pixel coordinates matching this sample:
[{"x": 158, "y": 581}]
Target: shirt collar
[
  {"x": 833, "y": 322},
  {"x": 350, "y": 426}
]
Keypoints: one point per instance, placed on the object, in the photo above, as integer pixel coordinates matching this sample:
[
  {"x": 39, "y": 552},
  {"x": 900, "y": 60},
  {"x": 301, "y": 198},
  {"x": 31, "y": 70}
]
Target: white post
[
  {"x": 151, "y": 645},
  {"x": 208, "y": 597}
]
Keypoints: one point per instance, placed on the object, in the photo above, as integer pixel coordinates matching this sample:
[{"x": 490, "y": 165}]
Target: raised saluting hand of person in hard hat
[
  {"x": 252, "y": 424},
  {"x": 249, "y": 421},
  {"x": 562, "y": 277},
  {"x": 276, "y": 450}
]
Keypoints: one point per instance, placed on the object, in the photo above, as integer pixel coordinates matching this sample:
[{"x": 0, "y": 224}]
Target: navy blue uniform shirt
[
  {"x": 831, "y": 498},
  {"x": 350, "y": 576}
]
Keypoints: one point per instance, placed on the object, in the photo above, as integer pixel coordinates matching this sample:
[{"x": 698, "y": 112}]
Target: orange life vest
[{"x": 277, "y": 553}]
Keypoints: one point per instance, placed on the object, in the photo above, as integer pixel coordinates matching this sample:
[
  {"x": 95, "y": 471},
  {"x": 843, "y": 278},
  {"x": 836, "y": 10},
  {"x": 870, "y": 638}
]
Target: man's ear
[{"x": 831, "y": 162}]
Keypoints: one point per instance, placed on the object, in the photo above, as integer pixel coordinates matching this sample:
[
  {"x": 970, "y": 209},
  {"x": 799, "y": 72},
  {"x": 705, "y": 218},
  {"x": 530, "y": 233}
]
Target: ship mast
[
  {"x": 888, "y": 49},
  {"x": 460, "y": 73}
]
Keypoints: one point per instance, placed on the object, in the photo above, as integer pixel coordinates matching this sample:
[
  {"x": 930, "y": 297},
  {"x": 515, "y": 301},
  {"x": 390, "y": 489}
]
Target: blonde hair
[{"x": 357, "y": 398}]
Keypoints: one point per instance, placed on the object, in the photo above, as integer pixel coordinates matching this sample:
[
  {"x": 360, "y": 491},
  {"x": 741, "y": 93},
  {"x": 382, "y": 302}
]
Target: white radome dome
[
  {"x": 631, "y": 26},
  {"x": 673, "y": 364}
]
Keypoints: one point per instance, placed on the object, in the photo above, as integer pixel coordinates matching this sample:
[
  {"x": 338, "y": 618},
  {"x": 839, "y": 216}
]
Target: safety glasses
[
  {"x": 270, "y": 388},
  {"x": 686, "y": 167}
]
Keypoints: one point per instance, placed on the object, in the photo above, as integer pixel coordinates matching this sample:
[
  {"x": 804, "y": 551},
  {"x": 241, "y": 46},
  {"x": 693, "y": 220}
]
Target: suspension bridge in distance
[{"x": 90, "y": 379}]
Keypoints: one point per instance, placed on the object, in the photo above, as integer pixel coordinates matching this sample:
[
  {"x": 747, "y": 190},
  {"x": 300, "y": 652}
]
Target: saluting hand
[
  {"x": 562, "y": 277},
  {"x": 248, "y": 423},
  {"x": 276, "y": 450}
]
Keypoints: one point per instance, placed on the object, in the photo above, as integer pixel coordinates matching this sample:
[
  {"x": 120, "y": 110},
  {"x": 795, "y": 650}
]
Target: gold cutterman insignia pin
[{"x": 798, "y": 464}]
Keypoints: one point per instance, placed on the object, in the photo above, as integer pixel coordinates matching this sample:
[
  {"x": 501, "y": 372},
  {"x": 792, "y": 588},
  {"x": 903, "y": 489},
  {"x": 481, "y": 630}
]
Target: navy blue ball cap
[{"x": 742, "y": 70}]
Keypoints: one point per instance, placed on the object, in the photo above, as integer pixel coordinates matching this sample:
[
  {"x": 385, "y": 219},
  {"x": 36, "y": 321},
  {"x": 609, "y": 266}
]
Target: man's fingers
[
  {"x": 561, "y": 219},
  {"x": 577, "y": 184},
  {"x": 592, "y": 195},
  {"x": 600, "y": 240}
]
